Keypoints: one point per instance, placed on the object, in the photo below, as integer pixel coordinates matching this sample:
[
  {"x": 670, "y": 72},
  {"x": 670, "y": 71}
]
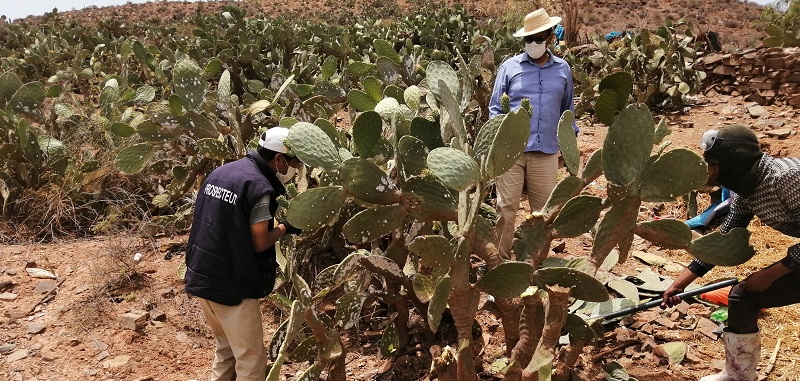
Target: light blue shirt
[{"x": 550, "y": 90}]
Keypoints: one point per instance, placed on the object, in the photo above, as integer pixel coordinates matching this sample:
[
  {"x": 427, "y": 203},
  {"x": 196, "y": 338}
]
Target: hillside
[{"x": 735, "y": 21}]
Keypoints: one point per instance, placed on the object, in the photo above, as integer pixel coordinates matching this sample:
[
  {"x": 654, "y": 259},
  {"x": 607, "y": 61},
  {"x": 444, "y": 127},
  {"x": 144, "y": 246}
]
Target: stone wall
[{"x": 763, "y": 75}]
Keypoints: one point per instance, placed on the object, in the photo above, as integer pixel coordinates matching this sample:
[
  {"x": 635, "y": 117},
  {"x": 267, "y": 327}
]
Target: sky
[{"x": 15, "y": 9}]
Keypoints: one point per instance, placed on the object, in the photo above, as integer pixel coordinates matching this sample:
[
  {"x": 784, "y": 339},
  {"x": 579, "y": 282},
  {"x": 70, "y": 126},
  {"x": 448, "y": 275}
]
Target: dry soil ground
[{"x": 69, "y": 328}]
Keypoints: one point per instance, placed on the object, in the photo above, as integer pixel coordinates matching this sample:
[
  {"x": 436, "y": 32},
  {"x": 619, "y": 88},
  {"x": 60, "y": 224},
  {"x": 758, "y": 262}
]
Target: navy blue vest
[{"x": 221, "y": 265}]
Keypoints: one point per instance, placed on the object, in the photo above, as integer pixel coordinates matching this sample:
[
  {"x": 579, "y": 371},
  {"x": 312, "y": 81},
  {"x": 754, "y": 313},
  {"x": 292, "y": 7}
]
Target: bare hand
[{"x": 669, "y": 295}]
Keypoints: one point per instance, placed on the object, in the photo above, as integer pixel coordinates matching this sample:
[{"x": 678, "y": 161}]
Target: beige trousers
[
  {"x": 538, "y": 171},
  {"x": 240, "y": 353}
]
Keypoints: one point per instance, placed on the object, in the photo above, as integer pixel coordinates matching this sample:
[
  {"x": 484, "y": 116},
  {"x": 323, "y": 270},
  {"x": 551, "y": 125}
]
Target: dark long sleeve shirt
[{"x": 776, "y": 202}]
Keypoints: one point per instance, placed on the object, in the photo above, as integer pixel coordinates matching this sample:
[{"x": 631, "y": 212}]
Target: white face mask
[
  {"x": 289, "y": 173},
  {"x": 535, "y": 50}
]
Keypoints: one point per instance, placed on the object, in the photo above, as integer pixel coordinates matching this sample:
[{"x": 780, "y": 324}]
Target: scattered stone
[
  {"x": 7, "y": 296},
  {"x": 14, "y": 314},
  {"x": 666, "y": 322},
  {"x": 17, "y": 355},
  {"x": 727, "y": 110},
  {"x": 80, "y": 289},
  {"x": 770, "y": 123},
  {"x": 102, "y": 356},
  {"x": 7, "y": 348},
  {"x": 708, "y": 328},
  {"x": 158, "y": 315},
  {"x": 182, "y": 337},
  {"x": 36, "y": 328},
  {"x": 48, "y": 356},
  {"x": 45, "y": 286},
  {"x": 116, "y": 362},
  {"x": 757, "y": 111},
  {"x": 12, "y": 271},
  {"x": 134, "y": 320},
  {"x": 144, "y": 379},
  {"x": 40, "y": 273},
  {"x": 781, "y": 133}
]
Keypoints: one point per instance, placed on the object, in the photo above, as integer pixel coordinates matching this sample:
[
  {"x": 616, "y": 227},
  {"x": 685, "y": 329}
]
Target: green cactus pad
[
  {"x": 214, "y": 149},
  {"x": 385, "y": 266},
  {"x": 370, "y": 224},
  {"x": 662, "y": 130},
  {"x": 305, "y": 351},
  {"x": 348, "y": 308},
  {"x": 373, "y": 88},
  {"x": 413, "y": 154},
  {"x": 428, "y": 131},
  {"x": 578, "y": 328},
  {"x": 28, "y": 98},
  {"x": 386, "y": 49},
  {"x": 453, "y": 168},
  {"x": 392, "y": 91},
  {"x": 121, "y": 130},
  {"x": 667, "y": 233},
  {"x": 593, "y": 167},
  {"x": 390, "y": 108},
  {"x": 566, "y": 189},
  {"x": 507, "y": 280},
  {"x": 188, "y": 83},
  {"x": 360, "y": 100},
  {"x": 329, "y": 67},
  {"x": 224, "y": 88},
  {"x": 439, "y": 70},
  {"x": 509, "y": 143},
  {"x": 367, "y": 133},
  {"x": 313, "y": 146},
  {"x": 531, "y": 237},
  {"x": 568, "y": 142},
  {"x": 429, "y": 200},
  {"x": 621, "y": 82},
  {"x": 434, "y": 251},
  {"x": 660, "y": 184},
  {"x": 367, "y": 182},
  {"x": 485, "y": 138},
  {"x": 360, "y": 68},
  {"x": 332, "y": 132},
  {"x": 9, "y": 84},
  {"x": 730, "y": 249},
  {"x": 577, "y": 217},
  {"x": 350, "y": 266},
  {"x": 332, "y": 93},
  {"x": 388, "y": 70},
  {"x": 584, "y": 286},
  {"x": 627, "y": 146},
  {"x": 198, "y": 125},
  {"x": 616, "y": 225},
  {"x": 390, "y": 341},
  {"x": 438, "y": 303},
  {"x": 144, "y": 95},
  {"x": 132, "y": 159},
  {"x": 452, "y": 120},
  {"x": 423, "y": 287},
  {"x": 316, "y": 208},
  {"x": 411, "y": 96}
]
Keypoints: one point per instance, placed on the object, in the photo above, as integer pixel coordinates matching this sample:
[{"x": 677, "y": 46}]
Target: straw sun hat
[{"x": 536, "y": 22}]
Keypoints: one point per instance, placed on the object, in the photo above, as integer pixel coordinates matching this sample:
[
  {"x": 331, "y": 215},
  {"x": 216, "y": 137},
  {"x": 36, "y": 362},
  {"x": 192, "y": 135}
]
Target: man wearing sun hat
[
  {"x": 546, "y": 80},
  {"x": 766, "y": 187},
  {"x": 230, "y": 259}
]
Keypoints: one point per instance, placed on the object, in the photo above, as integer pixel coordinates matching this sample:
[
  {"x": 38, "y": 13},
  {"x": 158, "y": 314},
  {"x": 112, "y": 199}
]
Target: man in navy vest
[{"x": 231, "y": 255}]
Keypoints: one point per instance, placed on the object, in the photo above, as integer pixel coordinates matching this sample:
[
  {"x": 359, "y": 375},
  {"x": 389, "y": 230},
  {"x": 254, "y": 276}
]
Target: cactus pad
[
  {"x": 367, "y": 133},
  {"x": 412, "y": 154},
  {"x": 509, "y": 143},
  {"x": 486, "y": 135},
  {"x": 666, "y": 233},
  {"x": 577, "y": 216},
  {"x": 566, "y": 189},
  {"x": 584, "y": 286},
  {"x": 428, "y": 131},
  {"x": 660, "y": 183},
  {"x": 616, "y": 225},
  {"x": 440, "y": 71},
  {"x": 453, "y": 168},
  {"x": 214, "y": 149},
  {"x": 313, "y": 146},
  {"x": 434, "y": 251},
  {"x": 412, "y": 95},
  {"x": 578, "y": 328},
  {"x": 370, "y": 224},
  {"x": 188, "y": 83},
  {"x": 316, "y": 207},
  {"x": 428, "y": 200},
  {"x": 132, "y": 159},
  {"x": 593, "y": 167},
  {"x": 568, "y": 142},
  {"x": 507, "y": 280},
  {"x": 367, "y": 182},
  {"x": 730, "y": 249},
  {"x": 360, "y": 100},
  {"x": 531, "y": 237},
  {"x": 627, "y": 146},
  {"x": 438, "y": 303}
]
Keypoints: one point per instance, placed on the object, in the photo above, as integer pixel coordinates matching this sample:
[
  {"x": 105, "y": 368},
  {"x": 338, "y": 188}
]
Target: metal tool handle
[{"x": 657, "y": 302}]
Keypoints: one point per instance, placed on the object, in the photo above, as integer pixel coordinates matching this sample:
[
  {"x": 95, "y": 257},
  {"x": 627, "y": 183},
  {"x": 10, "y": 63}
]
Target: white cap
[{"x": 273, "y": 138}]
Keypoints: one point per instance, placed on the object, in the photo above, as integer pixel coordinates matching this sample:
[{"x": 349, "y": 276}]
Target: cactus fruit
[
  {"x": 367, "y": 182},
  {"x": 507, "y": 280},
  {"x": 505, "y": 103}
]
